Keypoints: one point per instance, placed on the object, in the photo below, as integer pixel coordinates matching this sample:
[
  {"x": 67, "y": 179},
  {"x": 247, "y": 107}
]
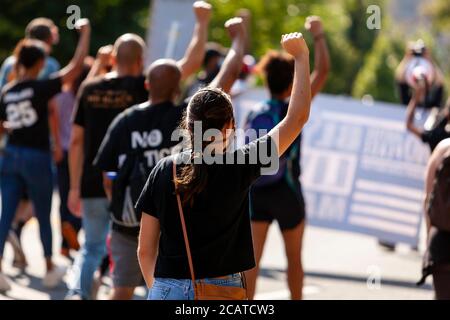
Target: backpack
[
  {"x": 438, "y": 205},
  {"x": 267, "y": 118},
  {"x": 127, "y": 187}
]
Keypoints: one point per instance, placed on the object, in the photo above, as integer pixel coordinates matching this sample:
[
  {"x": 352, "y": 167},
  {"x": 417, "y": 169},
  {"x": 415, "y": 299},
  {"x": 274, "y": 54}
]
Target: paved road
[{"x": 337, "y": 265}]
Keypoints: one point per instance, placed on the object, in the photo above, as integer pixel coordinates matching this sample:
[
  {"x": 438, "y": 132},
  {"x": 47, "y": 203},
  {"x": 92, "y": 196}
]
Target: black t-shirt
[
  {"x": 98, "y": 103},
  {"x": 437, "y": 134},
  {"x": 24, "y": 108},
  {"x": 218, "y": 223},
  {"x": 146, "y": 129},
  {"x": 440, "y": 247}
]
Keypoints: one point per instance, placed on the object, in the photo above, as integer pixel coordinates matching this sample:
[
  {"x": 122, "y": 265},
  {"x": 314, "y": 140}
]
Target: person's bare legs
[
  {"x": 259, "y": 233},
  {"x": 122, "y": 293},
  {"x": 293, "y": 245}
]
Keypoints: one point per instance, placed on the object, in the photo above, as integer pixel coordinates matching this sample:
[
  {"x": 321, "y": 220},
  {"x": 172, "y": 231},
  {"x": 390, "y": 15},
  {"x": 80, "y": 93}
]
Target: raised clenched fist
[
  {"x": 104, "y": 55},
  {"x": 202, "y": 11},
  {"x": 235, "y": 27},
  {"x": 295, "y": 44},
  {"x": 83, "y": 25},
  {"x": 314, "y": 25}
]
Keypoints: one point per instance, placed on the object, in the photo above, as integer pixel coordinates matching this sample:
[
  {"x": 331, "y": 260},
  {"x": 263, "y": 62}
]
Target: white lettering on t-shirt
[
  {"x": 146, "y": 139},
  {"x": 153, "y": 156},
  {"x": 20, "y": 115},
  {"x": 19, "y": 96}
]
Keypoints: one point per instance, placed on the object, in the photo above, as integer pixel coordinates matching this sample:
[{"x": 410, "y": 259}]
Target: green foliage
[
  {"x": 438, "y": 11},
  {"x": 109, "y": 18},
  {"x": 376, "y": 78}
]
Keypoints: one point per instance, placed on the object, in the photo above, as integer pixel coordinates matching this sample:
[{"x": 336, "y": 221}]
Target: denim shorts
[{"x": 182, "y": 289}]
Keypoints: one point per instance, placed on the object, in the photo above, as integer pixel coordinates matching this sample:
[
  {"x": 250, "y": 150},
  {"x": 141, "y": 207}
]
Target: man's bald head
[
  {"x": 129, "y": 49},
  {"x": 163, "y": 77}
]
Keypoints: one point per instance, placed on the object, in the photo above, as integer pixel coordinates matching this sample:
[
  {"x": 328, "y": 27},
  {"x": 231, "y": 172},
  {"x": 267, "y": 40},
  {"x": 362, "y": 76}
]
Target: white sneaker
[
  {"x": 54, "y": 277},
  {"x": 96, "y": 284},
  {"x": 4, "y": 283}
]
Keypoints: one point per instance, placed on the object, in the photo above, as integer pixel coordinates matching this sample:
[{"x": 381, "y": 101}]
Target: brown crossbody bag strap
[{"x": 183, "y": 225}]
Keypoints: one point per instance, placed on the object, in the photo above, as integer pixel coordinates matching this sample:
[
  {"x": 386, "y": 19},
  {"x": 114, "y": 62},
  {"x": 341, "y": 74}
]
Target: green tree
[
  {"x": 109, "y": 18},
  {"x": 377, "y": 76}
]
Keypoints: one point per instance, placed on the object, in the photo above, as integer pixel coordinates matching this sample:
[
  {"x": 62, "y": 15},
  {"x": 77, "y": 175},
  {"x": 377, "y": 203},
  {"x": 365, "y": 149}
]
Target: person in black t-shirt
[
  {"x": 139, "y": 137},
  {"x": 441, "y": 129},
  {"x": 26, "y": 166},
  {"x": 98, "y": 102},
  {"x": 214, "y": 197},
  {"x": 282, "y": 199}
]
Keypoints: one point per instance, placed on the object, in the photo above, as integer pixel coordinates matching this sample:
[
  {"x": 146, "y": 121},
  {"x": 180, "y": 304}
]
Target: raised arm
[
  {"x": 321, "y": 55},
  {"x": 299, "y": 106},
  {"x": 232, "y": 64},
  {"x": 195, "y": 53},
  {"x": 411, "y": 110},
  {"x": 70, "y": 72}
]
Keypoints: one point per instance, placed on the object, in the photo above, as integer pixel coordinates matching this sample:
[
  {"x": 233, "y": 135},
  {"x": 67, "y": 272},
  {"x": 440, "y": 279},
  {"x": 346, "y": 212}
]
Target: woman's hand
[{"x": 295, "y": 45}]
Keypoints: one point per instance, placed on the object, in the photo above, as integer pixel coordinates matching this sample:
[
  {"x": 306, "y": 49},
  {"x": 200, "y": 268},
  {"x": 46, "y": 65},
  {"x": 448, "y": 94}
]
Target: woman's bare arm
[
  {"x": 70, "y": 72},
  {"x": 148, "y": 247},
  {"x": 298, "y": 112}
]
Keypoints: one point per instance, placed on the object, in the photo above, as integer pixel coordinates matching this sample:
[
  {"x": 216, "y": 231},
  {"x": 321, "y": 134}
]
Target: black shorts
[{"x": 279, "y": 201}]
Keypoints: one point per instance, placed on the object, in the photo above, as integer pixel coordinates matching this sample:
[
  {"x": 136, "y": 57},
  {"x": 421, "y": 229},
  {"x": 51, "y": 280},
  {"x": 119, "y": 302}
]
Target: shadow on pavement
[{"x": 277, "y": 273}]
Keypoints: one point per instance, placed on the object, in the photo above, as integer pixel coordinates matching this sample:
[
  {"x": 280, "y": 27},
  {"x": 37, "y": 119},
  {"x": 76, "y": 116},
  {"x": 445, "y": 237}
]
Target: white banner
[
  {"x": 361, "y": 170},
  {"x": 170, "y": 31}
]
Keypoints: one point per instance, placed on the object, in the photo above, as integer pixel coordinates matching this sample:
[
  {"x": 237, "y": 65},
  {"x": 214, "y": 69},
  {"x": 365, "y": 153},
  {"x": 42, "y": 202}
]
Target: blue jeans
[
  {"x": 96, "y": 225},
  {"x": 27, "y": 170},
  {"x": 174, "y": 289}
]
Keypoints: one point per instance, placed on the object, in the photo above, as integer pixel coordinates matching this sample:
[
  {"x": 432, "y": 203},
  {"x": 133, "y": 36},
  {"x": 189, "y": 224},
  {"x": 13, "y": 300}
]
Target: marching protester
[
  {"x": 215, "y": 243},
  {"x": 440, "y": 130},
  {"x": 211, "y": 65},
  {"x": 64, "y": 104},
  {"x": 42, "y": 29},
  {"x": 26, "y": 166},
  {"x": 99, "y": 101},
  {"x": 136, "y": 140},
  {"x": 437, "y": 209},
  {"x": 279, "y": 196}
]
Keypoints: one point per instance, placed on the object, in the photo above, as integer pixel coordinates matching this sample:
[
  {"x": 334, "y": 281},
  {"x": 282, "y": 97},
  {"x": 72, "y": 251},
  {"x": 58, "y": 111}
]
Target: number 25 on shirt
[{"x": 20, "y": 115}]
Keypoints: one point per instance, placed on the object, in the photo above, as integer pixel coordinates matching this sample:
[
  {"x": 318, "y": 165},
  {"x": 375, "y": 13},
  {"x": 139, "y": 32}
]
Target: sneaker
[
  {"x": 70, "y": 235},
  {"x": 54, "y": 277},
  {"x": 4, "y": 283},
  {"x": 96, "y": 284}
]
